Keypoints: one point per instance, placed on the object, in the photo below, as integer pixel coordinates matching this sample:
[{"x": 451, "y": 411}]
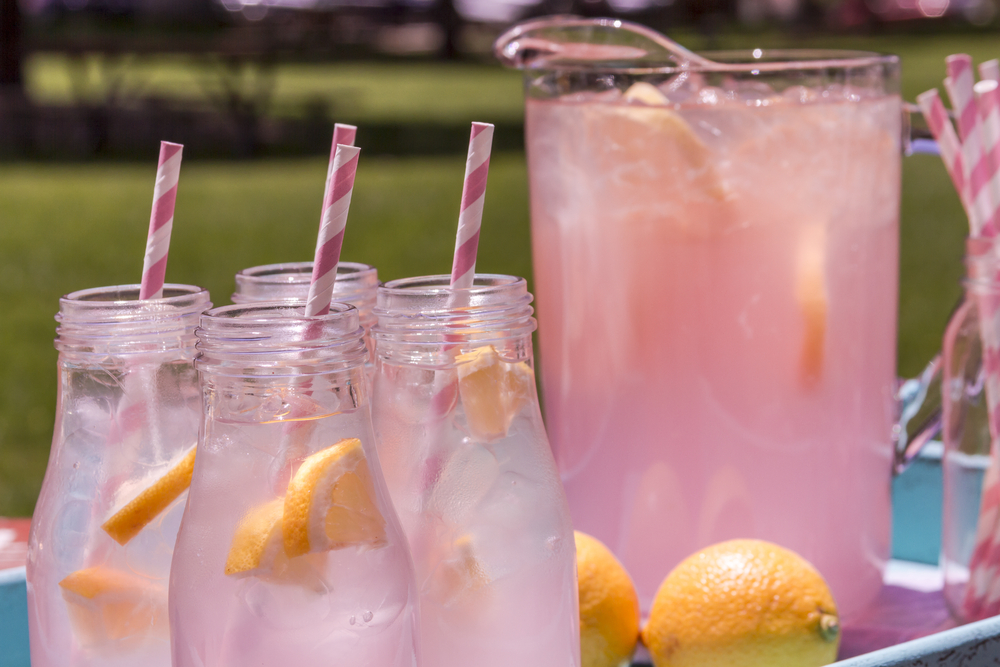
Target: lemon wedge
[
  {"x": 460, "y": 575},
  {"x": 492, "y": 391},
  {"x": 108, "y": 605},
  {"x": 646, "y": 93},
  {"x": 330, "y": 503},
  {"x": 129, "y": 520},
  {"x": 810, "y": 292},
  {"x": 257, "y": 541}
]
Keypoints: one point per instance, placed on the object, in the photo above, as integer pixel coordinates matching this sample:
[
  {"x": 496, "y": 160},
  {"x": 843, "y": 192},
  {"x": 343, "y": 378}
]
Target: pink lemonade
[{"x": 717, "y": 284}]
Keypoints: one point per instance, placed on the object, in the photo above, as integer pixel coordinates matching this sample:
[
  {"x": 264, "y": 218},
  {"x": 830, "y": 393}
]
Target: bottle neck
[
  {"x": 113, "y": 321},
  {"x": 423, "y": 321},
  {"x": 982, "y": 265},
  {"x": 275, "y": 340}
]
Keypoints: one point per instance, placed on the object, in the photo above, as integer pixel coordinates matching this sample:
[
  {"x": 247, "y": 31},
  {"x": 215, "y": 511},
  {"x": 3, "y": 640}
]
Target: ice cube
[
  {"x": 466, "y": 477},
  {"x": 417, "y": 394},
  {"x": 285, "y": 607}
]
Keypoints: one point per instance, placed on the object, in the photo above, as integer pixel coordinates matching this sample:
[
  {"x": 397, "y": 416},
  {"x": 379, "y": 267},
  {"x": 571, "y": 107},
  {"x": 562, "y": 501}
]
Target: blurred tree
[
  {"x": 10, "y": 45},
  {"x": 450, "y": 22}
]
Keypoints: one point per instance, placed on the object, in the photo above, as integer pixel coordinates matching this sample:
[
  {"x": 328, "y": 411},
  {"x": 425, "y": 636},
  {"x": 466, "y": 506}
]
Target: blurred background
[{"x": 88, "y": 88}]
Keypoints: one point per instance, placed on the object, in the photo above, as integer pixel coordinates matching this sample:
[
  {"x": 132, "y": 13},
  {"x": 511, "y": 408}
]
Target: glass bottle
[
  {"x": 289, "y": 552},
  {"x": 965, "y": 430},
  {"x": 356, "y": 284},
  {"x": 469, "y": 467},
  {"x": 128, "y": 410}
]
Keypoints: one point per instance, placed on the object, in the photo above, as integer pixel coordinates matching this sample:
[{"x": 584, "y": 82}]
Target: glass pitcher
[
  {"x": 289, "y": 552},
  {"x": 122, "y": 452},
  {"x": 471, "y": 473},
  {"x": 716, "y": 263}
]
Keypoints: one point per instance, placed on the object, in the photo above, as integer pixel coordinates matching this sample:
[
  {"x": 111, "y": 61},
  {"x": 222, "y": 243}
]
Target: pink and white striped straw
[
  {"x": 161, "y": 220},
  {"x": 470, "y": 218},
  {"x": 950, "y": 147},
  {"x": 960, "y": 84},
  {"x": 990, "y": 70},
  {"x": 342, "y": 135},
  {"x": 336, "y": 204},
  {"x": 987, "y": 94}
]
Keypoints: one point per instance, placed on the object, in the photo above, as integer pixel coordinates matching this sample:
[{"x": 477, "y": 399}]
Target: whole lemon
[
  {"x": 743, "y": 602},
  {"x": 609, "y": 606}
]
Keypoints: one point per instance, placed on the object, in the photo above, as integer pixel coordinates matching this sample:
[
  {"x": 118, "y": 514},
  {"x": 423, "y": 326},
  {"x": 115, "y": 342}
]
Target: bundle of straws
[{"x": 972, "y": 159}]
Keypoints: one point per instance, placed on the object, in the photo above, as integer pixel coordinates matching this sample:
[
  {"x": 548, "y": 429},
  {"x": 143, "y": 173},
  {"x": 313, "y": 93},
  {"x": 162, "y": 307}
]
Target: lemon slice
[
  {"x": 129, "y": 520},
  {"x": 460, "y": 576},
  {"x": 257, "y": 541},
  {"x": 646, "y": 93},
  {"x": 330, "y": 503},
  {"x": 646, "y": 142},
  {"x": 106, "y": 604},
  {"x": 493, "y": 391},
  {"x": 810, "y": 292}
]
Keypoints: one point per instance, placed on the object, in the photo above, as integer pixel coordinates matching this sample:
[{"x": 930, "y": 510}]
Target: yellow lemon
[
  {"x": 110, "y": 605},
  {"x": 609, "y": 607},
  {"x": 330, "y": 503},
  {"x": 257, "y": 540},
  {"x": 744, "y": 603},
  {"x": 492, "y": 391},
  {"x": 129, "y": 520}
]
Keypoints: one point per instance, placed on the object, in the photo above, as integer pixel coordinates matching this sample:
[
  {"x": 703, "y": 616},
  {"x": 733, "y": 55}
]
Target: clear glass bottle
[
  {"x": 128, "y": 410},
  {"x": 289, "y": 552},
  {"x": 356, "y": 284},
  {"x": 965, "y": 431},
  {"x": 469, "y": 467}
]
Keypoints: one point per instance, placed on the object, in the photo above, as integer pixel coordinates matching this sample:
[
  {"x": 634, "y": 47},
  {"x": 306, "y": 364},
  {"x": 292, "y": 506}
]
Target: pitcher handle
[{"x": 919, "y": 414}]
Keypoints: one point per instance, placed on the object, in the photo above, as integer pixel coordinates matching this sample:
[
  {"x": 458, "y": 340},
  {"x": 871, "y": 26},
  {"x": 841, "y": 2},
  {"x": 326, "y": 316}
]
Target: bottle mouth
[
  {"x": 113, "y": 320},
  {"x": 277, "y": 338},
  {"x": 290, "y": 282},
  {"x": 426, "y": 310},
  {"x": 300, "y": 273}
]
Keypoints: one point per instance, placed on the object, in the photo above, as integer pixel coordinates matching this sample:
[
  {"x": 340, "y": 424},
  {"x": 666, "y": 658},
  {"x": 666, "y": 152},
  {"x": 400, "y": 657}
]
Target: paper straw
[
  {"x": 941, "y": 128},
  {"x": 336, "y": 203},
  {"x": 342, "y": 134},
  {"x": 960, "y": 84},
  {"x": 988, "y": 104},
  {"x": 161, "y": 220},
  {"x": 990, "y": 70},
  {"x": 477, "y": 167}
]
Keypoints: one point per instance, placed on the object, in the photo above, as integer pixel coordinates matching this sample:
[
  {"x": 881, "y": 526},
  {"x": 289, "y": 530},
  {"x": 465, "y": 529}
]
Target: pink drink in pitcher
[{"x": 716, "y": 258}]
